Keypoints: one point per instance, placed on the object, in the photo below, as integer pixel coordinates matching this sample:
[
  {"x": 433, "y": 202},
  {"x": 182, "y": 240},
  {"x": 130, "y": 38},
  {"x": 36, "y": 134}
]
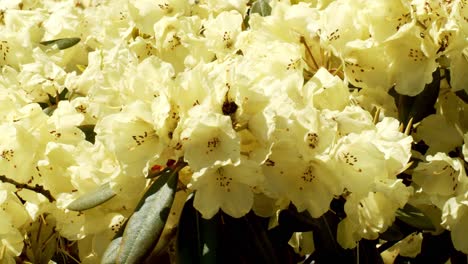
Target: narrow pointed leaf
[
  {"x": 92, "y": 199},
  {"x": 224, "y": 239},
  {"x": 462, "y": 94},
  {"x": 393, "y": 233},
  {"x": 112, "y": 250},
  {"x": 197, "y": 238},
  {"x": 327, "y": 248},
  {"x": 414, "y": 217},
  {"x": 260, "y": 248},
  {"x": 147, "y": 222},
  {"x": 62, "y": 43},
  {"x": 188, "y": 243},
  {"x": 368, "y": 252},
  {"x": 419, "y": 106}
]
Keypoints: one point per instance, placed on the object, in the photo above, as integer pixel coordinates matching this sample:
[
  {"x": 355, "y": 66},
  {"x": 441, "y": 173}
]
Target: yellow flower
[{"x": 228, "y": 188}]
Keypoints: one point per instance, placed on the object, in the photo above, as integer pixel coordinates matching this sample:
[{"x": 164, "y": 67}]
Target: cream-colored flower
[
  {"x": 179, "y": 41},
  {"x": 228, "y": 188},
  {"x": 409, "y": 246},
  {"x": 208, "y": 140},
  {"x": 412, "y": 60},
  {"x": 352, "y": 119},
  {"x": 326, "y": 91},
  {"x": 465, "y": 147},
  {"x": 13, "y": 216},
  {"x": 221, "y": 33},
  {"x": 440, "y": 175},
  {"x": 92, "y": 247},
  {"x": 145, "y": 13},
  {"x": 339, "y": 25},
  {"x": 359, "y": 162},
  {"x": 373, "y": 99},
  {"x": 131, "y": 136},
  {"x": 20, "y": 32},
  {"x": 302, "y": 242},
  {"x": 455, "y": 218},
  {"x": 372, "y": 214},
  {"x": 218, "y": 6},
  {"x": 438, "y": 134},
  {"x": 20, "y": 145},
  {"x": 307, "y": 181}
]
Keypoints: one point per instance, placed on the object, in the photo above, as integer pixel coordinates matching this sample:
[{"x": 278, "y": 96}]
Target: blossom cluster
[{"x": 288, "y": 107}]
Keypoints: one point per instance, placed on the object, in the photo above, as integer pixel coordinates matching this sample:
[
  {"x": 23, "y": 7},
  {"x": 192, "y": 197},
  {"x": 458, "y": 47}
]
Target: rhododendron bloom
[{"x": 227, "y": 187}]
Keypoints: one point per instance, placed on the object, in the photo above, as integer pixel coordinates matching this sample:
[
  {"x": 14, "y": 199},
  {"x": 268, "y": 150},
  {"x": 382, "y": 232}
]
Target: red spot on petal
[{"x": 156, "y": 168}]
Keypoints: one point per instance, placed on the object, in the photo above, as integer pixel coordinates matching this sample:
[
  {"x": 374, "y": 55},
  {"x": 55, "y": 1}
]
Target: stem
[
  {"x": 37, "y": 188},
  {"x": 357, "y": 253},
  {"x": 309, "y": 52},
  {"x": 376, "y": 116}
]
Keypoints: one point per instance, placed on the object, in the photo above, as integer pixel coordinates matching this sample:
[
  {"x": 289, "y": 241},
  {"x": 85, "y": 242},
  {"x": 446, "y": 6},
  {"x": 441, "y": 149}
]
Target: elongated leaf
[
  {"x": 393, "y": 233},
  {"x": 147, "y": 222},
  {"x": 419, "y": 106},
  {"x": 260, "y": 248},
  {"x": 197, "y": 238},
  {"x": 112, "y": 250},
  {"x": 92, "y": 199},
  {"x": 62, "y": 43},
  {"x": 261, "y": 7},
  {"x": 437, "y": 249},
  {"x": 462, "y": 94},
  {"x": 297, "y": 221},
  {"x": 327, "y": 248},
  {"x": 225, "y": 239},
  {"x": 415, "y": 218},
  {"x": 368, "y": 252}
]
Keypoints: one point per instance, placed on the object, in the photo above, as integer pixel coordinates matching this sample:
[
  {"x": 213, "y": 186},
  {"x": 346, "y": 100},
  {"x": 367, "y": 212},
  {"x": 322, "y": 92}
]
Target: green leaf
[
  {"x": 197, "y": 238},
  {"x": 414, "y": 217},
  {"x": 368, "y": 252},
  {"x": 147, "y": 222},
  {"x": 297, "y": 221},
  {"x": 327, "y": 248},
  {"x": 437, "y": 249},
  {"x": 92, "y": 199},
  {"x": 289, "y": 221},
  {"x": 223, "y": 239},
  {"x": 419, "y": 106},
  {"x": 112, "y": 250},
  {"x": 62, "y": 43},
  {"x": 393, "y": 233},
  {"x": 462, "y": 94},
  {"x": 261, "y": 7},
  {"x": 89, "y": 132},
  {"x": 260, "y": 248}
]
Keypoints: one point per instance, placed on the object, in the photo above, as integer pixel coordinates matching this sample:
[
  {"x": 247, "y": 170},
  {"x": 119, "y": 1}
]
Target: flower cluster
[{"x": 266, "y": 110}]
